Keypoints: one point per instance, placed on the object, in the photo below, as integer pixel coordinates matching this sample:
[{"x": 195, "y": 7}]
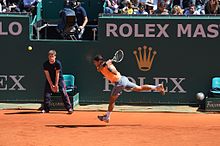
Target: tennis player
[{"x": 121, "y": 82}]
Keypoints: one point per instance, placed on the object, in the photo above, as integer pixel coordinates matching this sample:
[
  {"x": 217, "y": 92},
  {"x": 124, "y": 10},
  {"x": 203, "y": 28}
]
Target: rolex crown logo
[{"x": 145, "y": 61}]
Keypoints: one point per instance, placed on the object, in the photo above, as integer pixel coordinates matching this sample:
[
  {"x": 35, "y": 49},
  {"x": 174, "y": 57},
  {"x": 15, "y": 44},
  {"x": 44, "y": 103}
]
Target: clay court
[{"x": 31, "y": 128}]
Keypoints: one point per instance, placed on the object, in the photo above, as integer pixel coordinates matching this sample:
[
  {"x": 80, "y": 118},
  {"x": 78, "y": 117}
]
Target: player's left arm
[
  {"x": 57, "y": 77},
  {"x": 57, "y": 80},
  {"x": 84, "y": 22},
  {"x": 85, "y": 18}
]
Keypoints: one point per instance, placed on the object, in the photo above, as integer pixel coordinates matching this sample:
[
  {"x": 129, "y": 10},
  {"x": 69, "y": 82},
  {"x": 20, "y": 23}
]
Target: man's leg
[
  {"x": 116, "y": 92},
  {"x": 66, "y": 99},
  {"x": 146, "y": 87},
  {"x": 111, "y": 106},
  {"x": 134, "y": 87},
  {"x": 112, "y": 102},
  {"x": 47, "y": 98}
]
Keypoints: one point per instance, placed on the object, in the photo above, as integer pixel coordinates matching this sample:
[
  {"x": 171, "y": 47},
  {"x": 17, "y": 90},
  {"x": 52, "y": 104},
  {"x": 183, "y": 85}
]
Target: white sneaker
[
  {"x": 43, "y": 111},
  {"x": 104, "y": 118},
  {"x": 70, "y": 111}
]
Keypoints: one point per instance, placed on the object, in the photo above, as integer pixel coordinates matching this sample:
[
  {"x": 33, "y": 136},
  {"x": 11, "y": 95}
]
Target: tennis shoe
[
  {"x": 44, "y": 111},
  {"x": 104, "y": 118},
  {"x": 70, "y": 111}
]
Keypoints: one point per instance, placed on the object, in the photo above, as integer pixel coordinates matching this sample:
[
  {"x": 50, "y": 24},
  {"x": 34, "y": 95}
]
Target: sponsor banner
[
  {"x": 170, "y": 27},
  {"x": 14, "y": 26}
]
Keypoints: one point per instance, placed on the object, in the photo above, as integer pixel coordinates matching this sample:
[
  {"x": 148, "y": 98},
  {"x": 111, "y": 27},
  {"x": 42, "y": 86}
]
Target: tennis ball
[
  {"x": 30, "y": 48},
  {"x": 200, "y": 96}
]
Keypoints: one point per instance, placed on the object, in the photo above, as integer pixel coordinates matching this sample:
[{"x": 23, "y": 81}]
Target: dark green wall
[
  {"x": 184, "y": 64},
  {"x": 50, "y": 10}
]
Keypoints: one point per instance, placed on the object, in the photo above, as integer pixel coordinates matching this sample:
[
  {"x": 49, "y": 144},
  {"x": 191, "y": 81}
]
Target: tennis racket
[{"x": 118, "y": 57}]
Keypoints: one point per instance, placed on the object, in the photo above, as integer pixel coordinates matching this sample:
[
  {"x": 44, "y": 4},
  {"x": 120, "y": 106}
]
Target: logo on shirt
[{"x": 144, "y": 60}]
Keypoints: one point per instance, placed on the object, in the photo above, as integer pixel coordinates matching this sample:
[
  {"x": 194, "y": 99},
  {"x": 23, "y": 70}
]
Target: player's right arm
[{"x": 49, "y": 80}]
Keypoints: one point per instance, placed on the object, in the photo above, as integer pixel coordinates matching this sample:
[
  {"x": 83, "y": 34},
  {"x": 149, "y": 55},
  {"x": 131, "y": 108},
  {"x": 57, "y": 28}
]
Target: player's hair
[
  {"x": 52, "y": 52},
  {"x": 98, "y": 58}
]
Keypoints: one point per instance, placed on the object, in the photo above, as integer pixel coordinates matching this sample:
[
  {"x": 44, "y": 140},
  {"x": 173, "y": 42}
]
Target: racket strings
[{"x": 119, "y": 56}]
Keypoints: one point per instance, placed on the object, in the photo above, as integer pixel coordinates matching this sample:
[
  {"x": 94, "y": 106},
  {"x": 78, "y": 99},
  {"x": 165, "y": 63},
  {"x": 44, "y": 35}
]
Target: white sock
[{"x": 108, "y": 114}]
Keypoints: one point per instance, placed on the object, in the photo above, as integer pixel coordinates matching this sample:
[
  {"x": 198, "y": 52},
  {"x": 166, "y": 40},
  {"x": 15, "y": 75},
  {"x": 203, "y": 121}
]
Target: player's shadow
[
  {"x": 90, "y": 126},
  {"x": 33, "y": 112},
  {"x": 23, "y": 112}
]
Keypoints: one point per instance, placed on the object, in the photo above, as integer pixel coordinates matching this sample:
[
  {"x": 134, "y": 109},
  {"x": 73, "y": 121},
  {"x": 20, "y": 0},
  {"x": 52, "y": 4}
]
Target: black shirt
[
  {"x": 80, "y": 14},
  {"x": 51, "y": 68}
]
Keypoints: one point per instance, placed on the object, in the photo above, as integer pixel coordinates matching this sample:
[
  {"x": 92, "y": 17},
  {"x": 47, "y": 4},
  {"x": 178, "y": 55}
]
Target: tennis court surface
[{"x": 82, "y": 128}]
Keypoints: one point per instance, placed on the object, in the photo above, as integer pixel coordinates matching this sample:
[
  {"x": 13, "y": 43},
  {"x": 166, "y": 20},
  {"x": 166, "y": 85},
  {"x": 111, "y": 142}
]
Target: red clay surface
[{"x": 31, "y": 128}]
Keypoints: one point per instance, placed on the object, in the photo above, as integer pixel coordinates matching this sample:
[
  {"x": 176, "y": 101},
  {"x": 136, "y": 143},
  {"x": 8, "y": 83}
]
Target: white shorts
[{"x": 122, "y": 84}]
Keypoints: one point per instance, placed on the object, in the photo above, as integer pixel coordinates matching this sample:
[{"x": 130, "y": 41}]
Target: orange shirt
[{"x": 110, "y": 75}]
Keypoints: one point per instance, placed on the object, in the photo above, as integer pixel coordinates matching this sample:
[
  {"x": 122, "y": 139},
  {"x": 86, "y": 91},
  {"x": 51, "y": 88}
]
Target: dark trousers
[{"x": 62, "y": 92}]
